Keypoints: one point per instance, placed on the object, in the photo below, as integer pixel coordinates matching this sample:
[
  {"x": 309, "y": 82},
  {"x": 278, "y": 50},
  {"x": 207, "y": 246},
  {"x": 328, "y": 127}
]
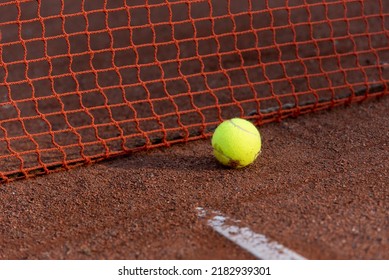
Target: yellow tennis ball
[{"x": 236, "y": 143}]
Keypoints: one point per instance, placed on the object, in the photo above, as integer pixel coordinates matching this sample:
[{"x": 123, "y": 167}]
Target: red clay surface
[{"x": 319, "y": 187}]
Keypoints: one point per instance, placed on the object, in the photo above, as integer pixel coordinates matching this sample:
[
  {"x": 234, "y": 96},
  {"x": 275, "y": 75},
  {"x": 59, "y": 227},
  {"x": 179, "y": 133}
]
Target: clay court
[{"x": 106, "y": 114}]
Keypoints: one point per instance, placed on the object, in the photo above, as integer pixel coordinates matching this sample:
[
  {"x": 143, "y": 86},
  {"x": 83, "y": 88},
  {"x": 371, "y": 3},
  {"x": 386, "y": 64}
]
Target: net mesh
[{"x": 83, "y": 80}]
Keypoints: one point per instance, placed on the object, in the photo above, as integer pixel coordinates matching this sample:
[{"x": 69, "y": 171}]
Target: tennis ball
[{"x": 236, "y": 143}]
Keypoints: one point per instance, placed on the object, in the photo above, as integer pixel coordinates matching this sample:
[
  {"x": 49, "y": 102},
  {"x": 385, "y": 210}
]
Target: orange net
[{"x": 83, "y": 80}]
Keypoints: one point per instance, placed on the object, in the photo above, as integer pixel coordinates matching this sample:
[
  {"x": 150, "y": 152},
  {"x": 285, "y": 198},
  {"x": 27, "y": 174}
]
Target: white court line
[{"x": 257, "y": 244}]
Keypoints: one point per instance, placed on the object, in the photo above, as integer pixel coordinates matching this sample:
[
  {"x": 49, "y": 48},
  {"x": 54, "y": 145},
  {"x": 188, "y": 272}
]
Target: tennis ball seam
[
  {"x": 231, "y": 161},
  {"x": 245, "y": 130}
]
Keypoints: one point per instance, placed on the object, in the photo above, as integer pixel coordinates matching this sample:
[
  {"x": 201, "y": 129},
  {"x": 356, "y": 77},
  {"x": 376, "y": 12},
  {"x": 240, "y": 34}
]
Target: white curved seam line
[{"x": 245, "y": 130}]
